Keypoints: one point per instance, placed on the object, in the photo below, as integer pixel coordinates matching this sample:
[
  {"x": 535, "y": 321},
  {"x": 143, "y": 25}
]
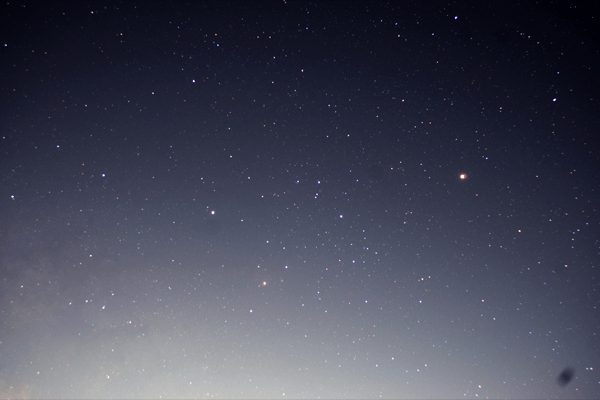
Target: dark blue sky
[{"x": 264, "y": 200}]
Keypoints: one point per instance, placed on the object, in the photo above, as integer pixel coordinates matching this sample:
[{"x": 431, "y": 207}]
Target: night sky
[{"x": 299, "y": 200}]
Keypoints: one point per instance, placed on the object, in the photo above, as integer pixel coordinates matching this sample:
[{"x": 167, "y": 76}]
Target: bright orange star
[{"x": 463, "y": 177}]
